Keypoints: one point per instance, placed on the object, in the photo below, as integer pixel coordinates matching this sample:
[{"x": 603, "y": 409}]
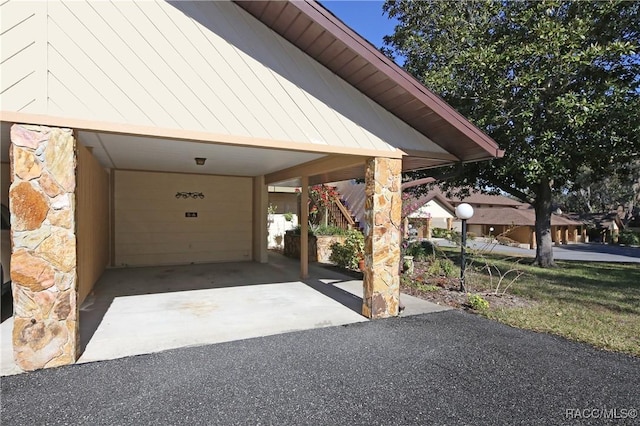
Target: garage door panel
[
  {"x": 153, "y": 227},
  {"x": 157, "y": 246},
  {"x": 184, "y": 258},
  {"x": 186, "y": 237},
  {"x": 188, "y": 227}
]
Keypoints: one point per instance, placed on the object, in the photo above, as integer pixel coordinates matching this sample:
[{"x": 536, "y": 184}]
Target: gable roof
[
  {"x": 413, "y": 210},
  {"x": 475, "y": 198},
  {"x": 479, "y": 198},
  {"x": 509, "y": 216},
  {"x": 320, "y": 34},
  {"x": 151, "y": 85}
]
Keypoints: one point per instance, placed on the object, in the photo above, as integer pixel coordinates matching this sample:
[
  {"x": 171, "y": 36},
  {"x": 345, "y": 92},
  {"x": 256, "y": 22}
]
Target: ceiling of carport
[
  {"x": 147, "y": 153},
  {"x": 130, "y": 152}
]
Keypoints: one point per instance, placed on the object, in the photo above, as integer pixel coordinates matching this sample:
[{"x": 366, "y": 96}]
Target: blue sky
[{"x": 364, "y": 16}]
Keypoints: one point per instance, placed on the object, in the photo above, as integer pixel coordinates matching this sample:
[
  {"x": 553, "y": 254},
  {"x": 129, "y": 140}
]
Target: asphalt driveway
[{"x": 441, "y": 368}]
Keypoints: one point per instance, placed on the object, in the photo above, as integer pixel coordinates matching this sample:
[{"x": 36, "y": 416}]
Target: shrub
[
  {"x": 420, "y": 250},
  {"x": 329, "y": 230},
  {"x": 439, "y": 233},
  {"x": 320, "y": 230},
  {"x": 455, "y": 237},
  {"x": 441, "y": 267},
  {"x": 477, "y": 302},
  {"x": 505, "y": 241},
  {"x": 448, "y": 268},
  {"x": 340, "y": 255},
  {"x": 427, "y": 287},
  {"x": 629, "y": 238},
  {"x": 288, "y": 216},
  {"x": 297, "y": 229},
  {"x": 348, "y": 255}
]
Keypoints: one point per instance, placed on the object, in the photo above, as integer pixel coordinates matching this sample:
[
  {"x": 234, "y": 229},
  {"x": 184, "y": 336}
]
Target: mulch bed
[{"x": 446, "y": 291}]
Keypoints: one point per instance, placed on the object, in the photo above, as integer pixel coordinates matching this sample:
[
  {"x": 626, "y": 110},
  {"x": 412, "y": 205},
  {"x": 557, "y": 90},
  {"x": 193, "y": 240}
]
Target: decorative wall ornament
[{"x": 189, "y": 195}]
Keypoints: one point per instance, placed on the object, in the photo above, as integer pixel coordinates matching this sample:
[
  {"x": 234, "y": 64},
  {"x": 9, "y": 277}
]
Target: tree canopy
[{"x": 555, "y": 83}]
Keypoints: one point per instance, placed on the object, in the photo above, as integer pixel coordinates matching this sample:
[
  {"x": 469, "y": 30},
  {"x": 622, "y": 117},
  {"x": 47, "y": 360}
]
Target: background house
[{"x": 493, "y": 215}]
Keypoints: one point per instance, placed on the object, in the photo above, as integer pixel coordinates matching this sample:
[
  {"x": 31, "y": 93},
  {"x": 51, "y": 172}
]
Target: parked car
[{"x": 6, "y": 249}]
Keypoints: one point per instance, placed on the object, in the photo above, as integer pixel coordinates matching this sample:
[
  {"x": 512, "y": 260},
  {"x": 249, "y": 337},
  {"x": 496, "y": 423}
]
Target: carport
[{"x": 105, "y": 138}]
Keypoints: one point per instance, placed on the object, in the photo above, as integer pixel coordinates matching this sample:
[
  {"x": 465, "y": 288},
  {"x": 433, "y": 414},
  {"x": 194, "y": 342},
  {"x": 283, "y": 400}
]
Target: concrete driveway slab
[
  {"x": 141, "y": 324},
  {"x": 134, "y": 311}
]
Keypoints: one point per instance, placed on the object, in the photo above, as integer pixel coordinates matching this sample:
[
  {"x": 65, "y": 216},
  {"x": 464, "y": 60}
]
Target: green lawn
[{"x": 596, "y": 303}]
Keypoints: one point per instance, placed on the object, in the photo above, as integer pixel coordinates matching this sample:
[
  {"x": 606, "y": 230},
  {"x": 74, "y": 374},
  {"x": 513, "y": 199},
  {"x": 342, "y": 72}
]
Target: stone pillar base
[
  {"x": 43, "y": 262},
  {"x": 383, "y": 207}
]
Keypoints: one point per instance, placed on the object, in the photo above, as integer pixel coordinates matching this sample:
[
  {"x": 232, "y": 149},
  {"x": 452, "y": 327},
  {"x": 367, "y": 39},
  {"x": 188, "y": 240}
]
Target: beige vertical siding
[
  {"x": 201, "y": 65},
  {"x": 92, "y": 235},
  {"x": 151, "y": 227}
]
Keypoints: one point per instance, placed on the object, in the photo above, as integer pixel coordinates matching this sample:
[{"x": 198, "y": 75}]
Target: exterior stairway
[{"x": 338, "y": 214}]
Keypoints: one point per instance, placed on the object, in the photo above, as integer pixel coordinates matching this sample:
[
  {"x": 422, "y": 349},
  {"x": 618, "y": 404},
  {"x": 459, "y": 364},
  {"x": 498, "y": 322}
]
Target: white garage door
[{"x": 154, "y": 227}]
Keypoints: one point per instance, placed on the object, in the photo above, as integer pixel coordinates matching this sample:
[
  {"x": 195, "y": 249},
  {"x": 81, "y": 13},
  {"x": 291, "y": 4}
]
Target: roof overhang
[
  {"x": 128, "y": 145},
  {"x": 320, "y": 34}
]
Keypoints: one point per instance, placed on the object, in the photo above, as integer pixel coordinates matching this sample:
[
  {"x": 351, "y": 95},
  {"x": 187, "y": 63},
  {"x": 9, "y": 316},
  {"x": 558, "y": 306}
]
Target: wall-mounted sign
[{"x": 189, "y": 195}]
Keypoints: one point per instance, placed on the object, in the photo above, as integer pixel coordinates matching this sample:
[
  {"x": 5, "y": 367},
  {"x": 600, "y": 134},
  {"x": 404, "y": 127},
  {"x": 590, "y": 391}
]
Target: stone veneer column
[
  {"x": 383, "y": 206},
  {"x": 43, "y": 263}
]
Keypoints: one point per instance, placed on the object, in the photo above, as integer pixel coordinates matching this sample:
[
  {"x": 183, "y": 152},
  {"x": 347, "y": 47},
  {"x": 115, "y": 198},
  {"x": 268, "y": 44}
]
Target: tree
[
  {"x": 556, "y": 84},
  {"x": 603, "y": 195}
]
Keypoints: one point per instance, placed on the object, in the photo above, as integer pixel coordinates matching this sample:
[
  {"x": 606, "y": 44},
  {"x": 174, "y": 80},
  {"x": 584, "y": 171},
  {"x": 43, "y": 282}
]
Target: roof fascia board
[
  {"x": 188, "y": 135},
  {"x": 354, "y": 41}
]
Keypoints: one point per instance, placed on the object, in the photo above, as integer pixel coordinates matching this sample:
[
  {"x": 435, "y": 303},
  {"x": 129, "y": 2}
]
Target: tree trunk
[{"x": 542, "y": 206}]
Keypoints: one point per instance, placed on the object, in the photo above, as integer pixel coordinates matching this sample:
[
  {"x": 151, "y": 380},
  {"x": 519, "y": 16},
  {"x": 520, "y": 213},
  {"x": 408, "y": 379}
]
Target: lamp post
[{"x": 463, "y": 211}]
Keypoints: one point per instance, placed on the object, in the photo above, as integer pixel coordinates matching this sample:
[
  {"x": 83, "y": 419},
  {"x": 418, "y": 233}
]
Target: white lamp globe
[{"x": 464, "y": 211}]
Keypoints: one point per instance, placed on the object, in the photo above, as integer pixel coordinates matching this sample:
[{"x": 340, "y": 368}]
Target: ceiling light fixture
[{"x": 200, "y": 161}]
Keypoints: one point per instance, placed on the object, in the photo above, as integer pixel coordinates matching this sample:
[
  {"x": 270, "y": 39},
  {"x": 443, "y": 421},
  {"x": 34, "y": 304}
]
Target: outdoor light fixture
[
  {"x": 189, "y": 194},
  {"x": 463, "y": 211},
  {"x": 200, "y": 161}
]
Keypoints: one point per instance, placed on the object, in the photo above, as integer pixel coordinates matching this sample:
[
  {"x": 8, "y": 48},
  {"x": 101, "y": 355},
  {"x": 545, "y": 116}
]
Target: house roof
[
  {"x": 413, "y": 209},
  {"x": 475, "y": 198},
  {"x": 320, "y": 34},
  {"x": 506, "y": 213},
  {"x": 274, "y": 89},
  {"x": 510, "y": 216}
]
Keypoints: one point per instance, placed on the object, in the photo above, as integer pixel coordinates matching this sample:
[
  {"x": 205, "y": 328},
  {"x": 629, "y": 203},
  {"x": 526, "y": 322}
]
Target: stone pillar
[
  {"x": 565, "y": 235},
  {"x": 383, "y": 207},
  {"x": 43, "y": 263}
]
